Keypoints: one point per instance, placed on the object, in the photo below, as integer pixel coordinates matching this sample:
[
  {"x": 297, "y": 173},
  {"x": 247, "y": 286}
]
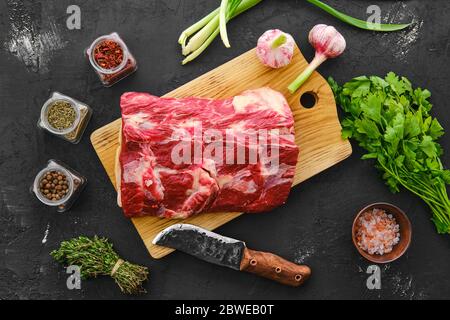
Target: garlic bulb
[
  {"x": 275, "y": 48},
  {"x": 328, "y": 43},
  {"x": 327, "y": 40}
]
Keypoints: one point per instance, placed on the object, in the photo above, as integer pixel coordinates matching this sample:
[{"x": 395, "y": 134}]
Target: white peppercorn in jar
[
  {"x": 58, "y": 185},
  {"x": 64, "y": 117}
]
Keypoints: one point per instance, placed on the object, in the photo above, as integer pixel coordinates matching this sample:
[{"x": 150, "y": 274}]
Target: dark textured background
[{"x": 313, "y": 227}]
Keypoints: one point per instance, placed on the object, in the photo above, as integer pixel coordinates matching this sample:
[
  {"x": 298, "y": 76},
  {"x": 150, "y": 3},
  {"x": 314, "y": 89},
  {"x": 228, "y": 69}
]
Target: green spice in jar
[{"x": 61, "y": 115}]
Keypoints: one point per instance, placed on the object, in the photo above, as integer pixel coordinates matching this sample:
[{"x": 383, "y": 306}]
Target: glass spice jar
[
  {"x": 111, "y": 59},
  {"x": 74, "y": 130},
  {"x": 57, "y": 185}
]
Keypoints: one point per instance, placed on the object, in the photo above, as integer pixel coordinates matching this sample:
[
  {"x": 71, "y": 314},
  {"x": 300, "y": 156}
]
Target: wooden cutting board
[{"x": 318, "y": 132}]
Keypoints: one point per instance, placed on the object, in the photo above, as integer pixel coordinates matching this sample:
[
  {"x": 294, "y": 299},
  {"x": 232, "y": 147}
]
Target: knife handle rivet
[
  {"x": 278, "y": 270},
  {"x": 298, "y": 277},
  {"x": 253, "y": 262}
]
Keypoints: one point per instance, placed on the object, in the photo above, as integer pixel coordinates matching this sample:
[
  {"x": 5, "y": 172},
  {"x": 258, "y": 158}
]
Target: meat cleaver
[{"x": 231, "y": 253}]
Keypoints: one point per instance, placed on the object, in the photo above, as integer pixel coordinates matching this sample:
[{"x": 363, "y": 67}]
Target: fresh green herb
[
  {"x": 392, "y": 121},
  {"x": 357, "y": 22},
  {"x": 61, "y": 115},
  {"x": 96, "y": 257},
  {"x": 227, "y": 9},
  {"x": 223, "y": 22},
  {"x": 203, "y": 33}
]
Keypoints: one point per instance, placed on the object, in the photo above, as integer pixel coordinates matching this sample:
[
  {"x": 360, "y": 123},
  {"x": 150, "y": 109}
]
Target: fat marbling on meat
[{"x": 180, "y": 157}]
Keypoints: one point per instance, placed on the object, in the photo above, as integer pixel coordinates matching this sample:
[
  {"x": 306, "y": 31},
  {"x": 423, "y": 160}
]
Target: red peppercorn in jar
[{"x": 111, "y": 59}]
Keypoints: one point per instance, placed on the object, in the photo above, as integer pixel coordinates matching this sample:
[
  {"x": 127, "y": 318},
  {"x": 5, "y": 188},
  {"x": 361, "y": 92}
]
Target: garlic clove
[{"x": 275, "y": 48}]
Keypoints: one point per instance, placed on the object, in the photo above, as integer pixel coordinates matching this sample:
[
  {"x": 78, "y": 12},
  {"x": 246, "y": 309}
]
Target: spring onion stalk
[
  {"x": 202, "y": 48},
  {"x": 227, "y": 9},
  {"x": 208, "y": 29},
  {"x": 197, "y": 26},
  {"x": 244, "y": 6},
  {"x": 357, "y": 22},
  {"x": 223, "y": 23},
  {"x": 201, "y": 37}
]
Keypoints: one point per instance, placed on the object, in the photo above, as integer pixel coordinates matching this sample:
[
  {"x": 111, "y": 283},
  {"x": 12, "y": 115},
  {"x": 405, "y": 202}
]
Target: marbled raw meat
[{"x": 150, "y": 182}]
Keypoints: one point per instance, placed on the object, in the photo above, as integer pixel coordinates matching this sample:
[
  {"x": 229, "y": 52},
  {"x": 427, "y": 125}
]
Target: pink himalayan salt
[{"x": 377, "y": 232}]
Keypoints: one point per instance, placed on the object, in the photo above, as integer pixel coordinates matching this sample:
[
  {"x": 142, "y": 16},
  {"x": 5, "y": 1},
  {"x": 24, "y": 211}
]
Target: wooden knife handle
[{"x": 273, "y": 267}]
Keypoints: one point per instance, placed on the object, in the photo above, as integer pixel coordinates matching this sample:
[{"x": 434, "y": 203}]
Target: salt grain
[
  {"x": 401, "y": 43},
  {"x": 44, "y": 240},
  {"x": 377, "y": 232}
]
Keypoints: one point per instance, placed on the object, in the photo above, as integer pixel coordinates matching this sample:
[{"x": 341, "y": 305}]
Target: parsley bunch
[{"x": 392, "y": 121}]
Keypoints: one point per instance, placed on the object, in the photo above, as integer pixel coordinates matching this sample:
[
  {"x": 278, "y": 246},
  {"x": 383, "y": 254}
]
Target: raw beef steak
[{"x": 180, "y": 157}]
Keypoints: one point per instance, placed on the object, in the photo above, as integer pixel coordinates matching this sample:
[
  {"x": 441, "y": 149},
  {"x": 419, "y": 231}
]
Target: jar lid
[
  {"x": 36, "y": 186},
  {"x": 44, "y": 115},
  {"x": 112, "y": 37}
]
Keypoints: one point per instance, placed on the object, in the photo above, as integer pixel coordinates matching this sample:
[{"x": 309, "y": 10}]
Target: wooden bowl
[{"x": 405, "y": 233}]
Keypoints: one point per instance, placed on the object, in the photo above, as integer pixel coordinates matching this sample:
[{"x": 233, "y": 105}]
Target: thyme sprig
[{"x": 96, "y": 257}]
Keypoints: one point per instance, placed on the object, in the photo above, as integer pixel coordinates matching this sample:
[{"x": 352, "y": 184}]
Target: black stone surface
[{"x": 313, "y": 227}]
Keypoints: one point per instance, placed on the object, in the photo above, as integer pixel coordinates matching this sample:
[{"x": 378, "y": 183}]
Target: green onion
[
  {"x": 202, "y": 48},
  {"x": 244, "y": 6},
  {"x": 357, "y": 22},
  {"x": 207, "y": 29},
  {"x": 223, "y": 22},
  {"x": 195, "y": 27},
  {"x": 227, "y": 10},
  {"x": 201, "y": 37}
]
